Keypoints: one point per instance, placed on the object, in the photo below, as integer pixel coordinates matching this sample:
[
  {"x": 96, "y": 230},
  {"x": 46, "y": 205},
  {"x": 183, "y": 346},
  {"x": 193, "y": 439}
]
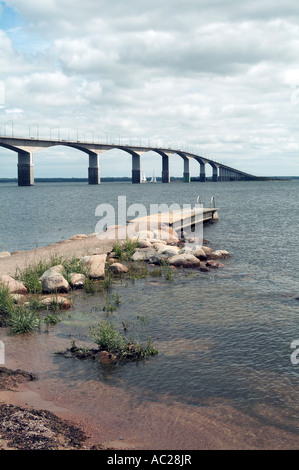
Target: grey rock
[
  {"x": 118, "y": 268},
  {"x": 77, "y": 280},
  {"x": 185, "y": 261},
  {"x": 95, "y": 265},
  {"x": 55, "y": 283}
]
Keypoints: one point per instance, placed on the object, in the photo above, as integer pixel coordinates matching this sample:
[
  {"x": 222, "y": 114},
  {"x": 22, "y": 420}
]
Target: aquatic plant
[
  {"x": 107, "y": 337},
  {"x": 7, "y": 304},
  {"x": 23, "y": 320}
]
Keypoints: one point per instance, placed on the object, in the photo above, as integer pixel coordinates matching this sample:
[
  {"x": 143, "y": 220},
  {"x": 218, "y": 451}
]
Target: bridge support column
[
  {"x": 215, "y": 174},
  {"x": 94, "y": 176},
  {"x": 202, "y": 175},
  {"x": 136, "y": 169},
  {"x": 186, "y": 171},
  {"x": 25, "y": 168},
  {"x": 165, "y": 169}
]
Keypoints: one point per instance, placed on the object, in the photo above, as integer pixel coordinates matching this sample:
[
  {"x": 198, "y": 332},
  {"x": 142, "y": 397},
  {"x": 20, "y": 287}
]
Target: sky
[{"x": 219, "y": 78}]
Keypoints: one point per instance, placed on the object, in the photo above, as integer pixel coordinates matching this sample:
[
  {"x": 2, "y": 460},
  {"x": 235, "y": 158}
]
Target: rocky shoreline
[{"x": 22, "y": 428}]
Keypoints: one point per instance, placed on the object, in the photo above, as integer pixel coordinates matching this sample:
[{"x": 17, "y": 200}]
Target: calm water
[{"x": 223, "y": 336}]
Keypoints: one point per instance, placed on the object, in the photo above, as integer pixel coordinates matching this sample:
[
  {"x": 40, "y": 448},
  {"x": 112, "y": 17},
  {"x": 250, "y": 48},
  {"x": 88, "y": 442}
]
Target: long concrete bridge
[{"x": 25, "y": 148}]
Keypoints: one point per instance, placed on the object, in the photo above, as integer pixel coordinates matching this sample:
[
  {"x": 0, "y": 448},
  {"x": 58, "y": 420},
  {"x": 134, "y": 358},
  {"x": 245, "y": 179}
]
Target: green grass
[
  {"x": 7, "y": 304},
  {"x": 23, "y": 321},
  {"x": 106, "y": 336},
  {"x": 124, "y": 251}
]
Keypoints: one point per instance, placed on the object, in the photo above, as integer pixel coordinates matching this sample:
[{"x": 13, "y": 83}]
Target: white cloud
[{"x": 219, "y": 77}]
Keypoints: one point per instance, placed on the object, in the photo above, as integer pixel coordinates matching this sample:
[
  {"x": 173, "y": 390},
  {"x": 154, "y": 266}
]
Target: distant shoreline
[{"x": 125, "y": 179}]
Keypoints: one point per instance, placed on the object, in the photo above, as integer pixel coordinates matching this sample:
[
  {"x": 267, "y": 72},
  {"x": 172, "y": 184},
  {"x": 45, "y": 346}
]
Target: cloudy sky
[{"x": 216, "y": 77}]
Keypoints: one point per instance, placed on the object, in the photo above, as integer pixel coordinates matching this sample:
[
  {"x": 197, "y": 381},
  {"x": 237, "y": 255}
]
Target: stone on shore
[
  {"x": 14, "y": 287},
  {"x": 144, "y": 234},
  {"x": 55, "y": 282},
  {"x": 118, "y": 268},
  {"x": 166, "y": 235},
  {"x": 58, "y": 269},
  {"x": 144, "y": 243},
  {"x": 214, "y": 264},
  {"x": 77, "y": 280},
  {"x": 158, "y": 244},
  {"x": 80, "y": 236},
  {"x": 3, "y": 254},
  {"x": 185, "y": 249},
  {"x": 143, "y": 254},
  {"x": 222, "y": 254},
  {"x": 156, "y": 259},
  {"x": 207, "y": 250},
  {"x": 168, "y": 250},
  {"x": 184, "y": 261},
  {"x": 18, "y": 298},
  {"x": 200, "y": 254},
  {"x": 61, "y": 301},
  {"x": 95, "y": 265}
]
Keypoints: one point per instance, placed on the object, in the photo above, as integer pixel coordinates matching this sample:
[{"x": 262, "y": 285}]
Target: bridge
[{"x": 26, "y": 147}]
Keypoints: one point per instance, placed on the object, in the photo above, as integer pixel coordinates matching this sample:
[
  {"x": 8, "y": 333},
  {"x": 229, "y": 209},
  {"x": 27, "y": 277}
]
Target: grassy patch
[
  {"x": 124, "y": 251},
  {"x": 7, "y": 305},
  {"x": 23, "y": 321},
  {"x": 106, "y": 336}
]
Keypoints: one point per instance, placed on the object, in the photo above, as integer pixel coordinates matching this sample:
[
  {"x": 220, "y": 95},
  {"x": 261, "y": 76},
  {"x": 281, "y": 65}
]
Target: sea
[{"x": 227, "y": 339}]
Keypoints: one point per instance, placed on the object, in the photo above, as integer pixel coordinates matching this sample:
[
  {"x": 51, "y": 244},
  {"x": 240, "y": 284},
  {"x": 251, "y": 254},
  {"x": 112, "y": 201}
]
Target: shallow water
[{"x": 223, "y": 337}]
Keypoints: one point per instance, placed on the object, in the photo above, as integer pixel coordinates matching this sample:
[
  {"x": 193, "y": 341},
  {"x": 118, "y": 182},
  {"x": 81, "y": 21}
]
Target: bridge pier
[
  {"x": 136, "y": 169},
  {"x": 215, "y": 173},
  {"x": 94, "y": 176},
  {"x": 165, "y": 169},
  {"x": 202, "y": 175},
  {"x": 25, "y": 168},
  {"x": 186, "y": 170}
]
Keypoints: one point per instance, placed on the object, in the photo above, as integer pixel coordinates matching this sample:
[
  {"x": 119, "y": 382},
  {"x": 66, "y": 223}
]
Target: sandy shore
[{"x": 68, "y": 249}]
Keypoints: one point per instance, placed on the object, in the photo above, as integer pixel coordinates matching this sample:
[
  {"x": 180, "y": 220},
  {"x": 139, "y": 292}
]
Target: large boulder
[
  {"x": 14, "y": 287},
  {"x": 168, "y": 250},
  {"x": 77, "y": 280},
  {"x": 95, "y": 265},
  {"x": 58, "y": 269},
  {"x": 207, "y": 250},
  {"x": 59, "y": 300},
  {"x": 184, "y": 261},
  {"x": 200, "y": 254},
  {"x": 222, "y": 254},
  {"x": 185, "y": 249},
  {"x": 156, "y": 259},
  {"x": 143, "y": 254},
  {"x": 55, "y": 282},
  {"x": 167, "y": 234},
  {"x": 118, "y": 268},
  {"x": 144, "y": 243},
  {"x": 144, "y": 234}
]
